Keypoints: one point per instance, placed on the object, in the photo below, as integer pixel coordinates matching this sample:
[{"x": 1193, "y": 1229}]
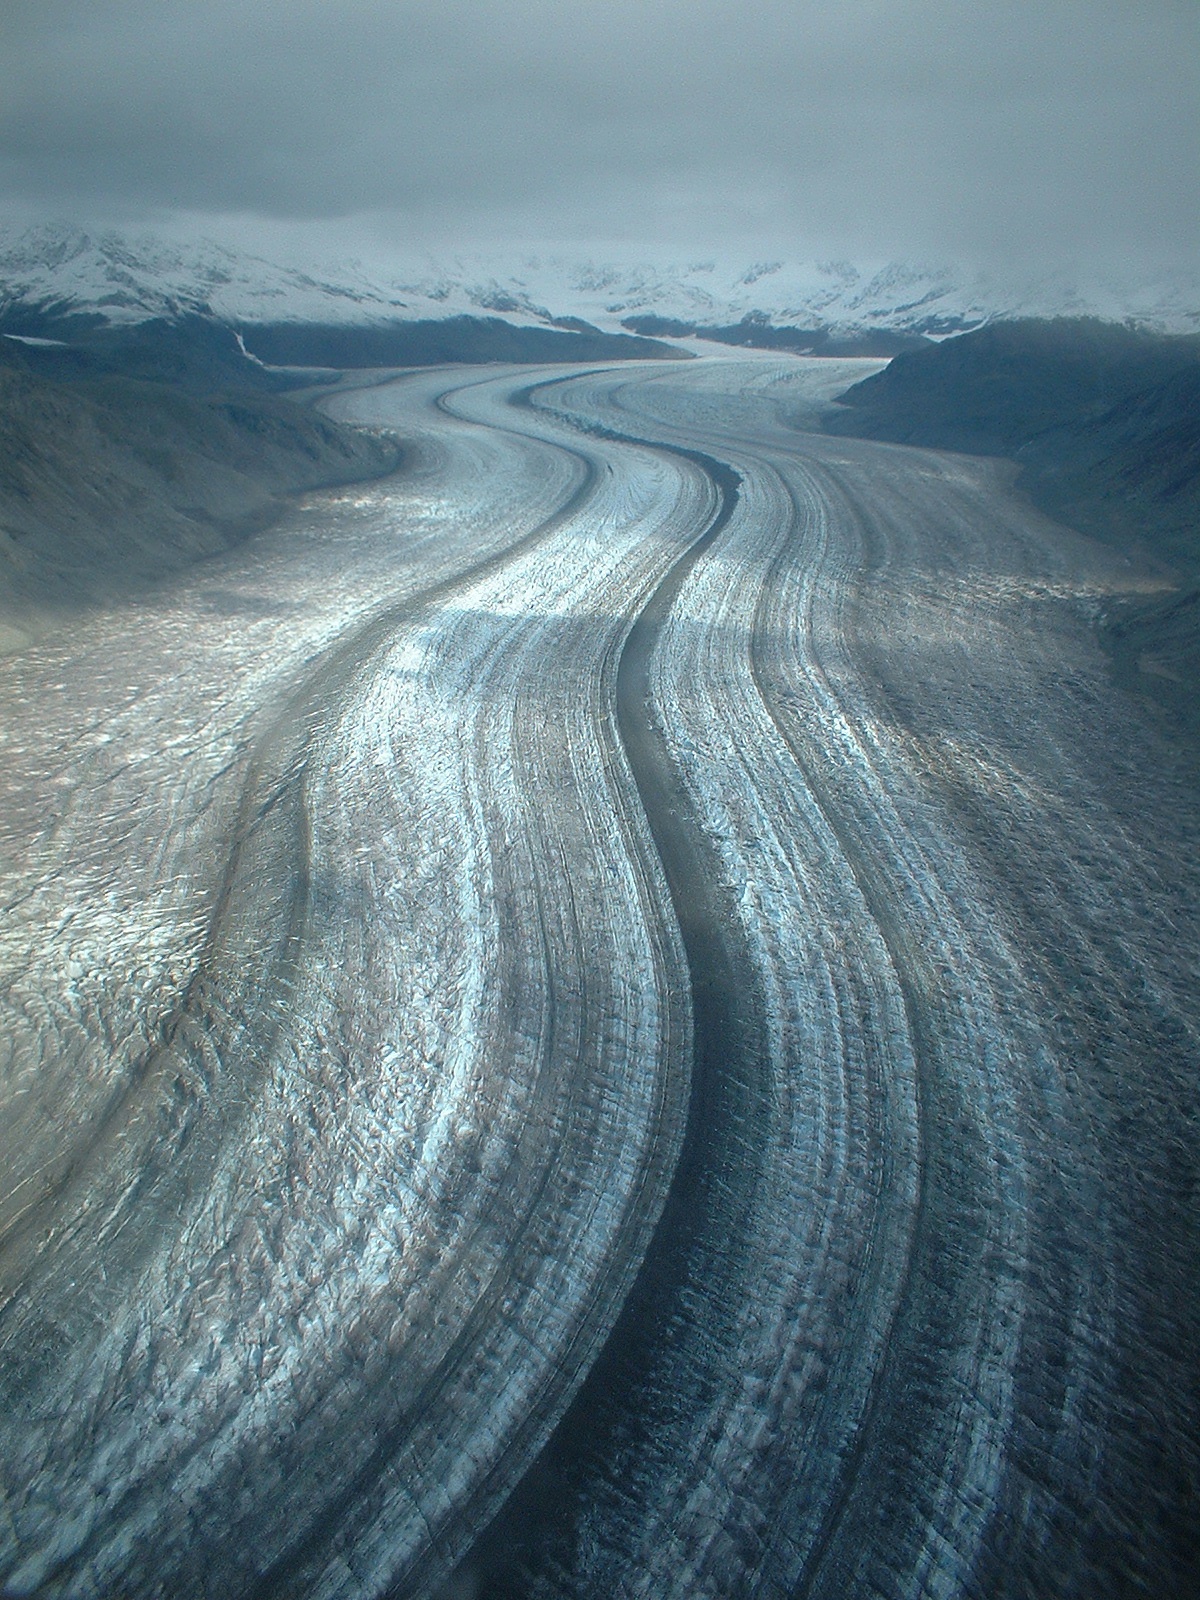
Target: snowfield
[
  {"x": 614, "y": 1014},
  {"x": 130, "y": 277}
]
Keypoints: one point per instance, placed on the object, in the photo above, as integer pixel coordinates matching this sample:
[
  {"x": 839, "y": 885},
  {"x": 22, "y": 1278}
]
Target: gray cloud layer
[{"x": 1020, "y": 129}]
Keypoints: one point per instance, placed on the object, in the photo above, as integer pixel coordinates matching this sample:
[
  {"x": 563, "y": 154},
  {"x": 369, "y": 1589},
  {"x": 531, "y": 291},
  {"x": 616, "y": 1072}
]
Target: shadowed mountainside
[
  {"x": 758, "y": 332},
  {"x": 1105, "y": 424},
  {"x": 191, "y": 352},
  {"x": 108, "y": 482},
  {"x": 456, "y": 339},
  {"x": 200, "y": 352}
]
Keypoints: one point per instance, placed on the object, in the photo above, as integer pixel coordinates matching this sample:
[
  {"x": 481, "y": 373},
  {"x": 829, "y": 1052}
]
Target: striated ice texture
[{"x": 616, "y": 1013}]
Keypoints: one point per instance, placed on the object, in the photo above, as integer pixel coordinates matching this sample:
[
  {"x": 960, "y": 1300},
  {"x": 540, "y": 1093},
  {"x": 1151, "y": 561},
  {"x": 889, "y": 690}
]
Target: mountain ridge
[{"x": 54, "y": 272}]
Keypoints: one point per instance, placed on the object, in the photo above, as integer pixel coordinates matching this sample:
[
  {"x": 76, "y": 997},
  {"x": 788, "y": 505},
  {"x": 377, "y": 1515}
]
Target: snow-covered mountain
[{"x": 129, "y": 278}]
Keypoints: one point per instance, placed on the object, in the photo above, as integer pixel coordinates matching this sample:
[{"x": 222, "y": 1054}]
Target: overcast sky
[{"x": 1017, "y": 130}]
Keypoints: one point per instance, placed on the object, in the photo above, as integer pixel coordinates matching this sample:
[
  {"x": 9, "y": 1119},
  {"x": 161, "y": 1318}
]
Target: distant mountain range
[{"x": 54, "y": 277}]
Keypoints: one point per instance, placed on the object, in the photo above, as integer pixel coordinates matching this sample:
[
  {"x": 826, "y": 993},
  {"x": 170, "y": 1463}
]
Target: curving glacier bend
[{"x": 615, "y": 1015}]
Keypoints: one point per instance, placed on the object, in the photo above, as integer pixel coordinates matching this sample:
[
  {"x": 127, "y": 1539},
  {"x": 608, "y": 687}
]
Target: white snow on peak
[{"x": 131, "y": 277}]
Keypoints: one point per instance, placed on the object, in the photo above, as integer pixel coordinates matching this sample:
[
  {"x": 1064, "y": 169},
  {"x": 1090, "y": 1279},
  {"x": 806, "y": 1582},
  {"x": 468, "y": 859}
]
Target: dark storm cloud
[{"x": 939, "y": 126}]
